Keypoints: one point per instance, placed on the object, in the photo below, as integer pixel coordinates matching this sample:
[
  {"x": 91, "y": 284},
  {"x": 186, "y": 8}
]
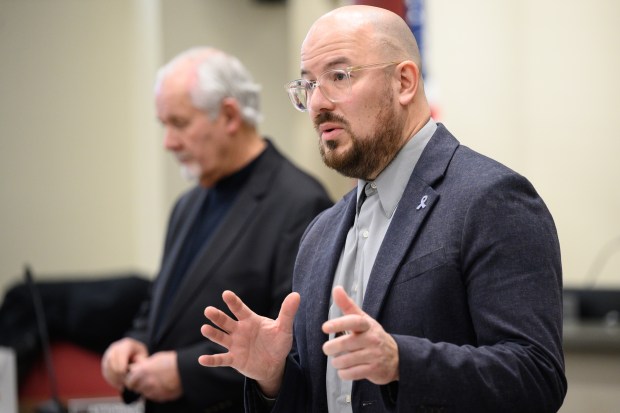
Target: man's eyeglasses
[{"x": 335, "y": 85}]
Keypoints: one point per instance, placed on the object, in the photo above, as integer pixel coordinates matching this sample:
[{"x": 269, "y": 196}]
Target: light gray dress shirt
[{"x": 363, "y": 242}]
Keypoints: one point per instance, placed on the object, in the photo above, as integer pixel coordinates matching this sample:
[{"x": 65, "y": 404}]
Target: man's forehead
[
  {"x": 321, "y": 51},
  {"x": 320, "y": 66}
]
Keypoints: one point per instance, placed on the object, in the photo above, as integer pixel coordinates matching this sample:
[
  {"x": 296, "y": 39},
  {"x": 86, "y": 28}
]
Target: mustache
[
  {"x": 181, "y": 156},
  {"x": 329, "y": 117}
]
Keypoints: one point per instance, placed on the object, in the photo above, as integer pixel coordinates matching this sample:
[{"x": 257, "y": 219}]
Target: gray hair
[{"x": 218, "y": 76}]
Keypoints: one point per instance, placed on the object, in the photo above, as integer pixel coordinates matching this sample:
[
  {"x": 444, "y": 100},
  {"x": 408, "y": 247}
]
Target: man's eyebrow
[{"x": 330, "y": 65}]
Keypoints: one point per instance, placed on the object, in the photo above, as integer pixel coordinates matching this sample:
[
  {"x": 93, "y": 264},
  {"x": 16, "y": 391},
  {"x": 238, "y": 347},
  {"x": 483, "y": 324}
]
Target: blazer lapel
[
  {"x": 168, "y": 265},
  {"x": 205, "y": 264},
  {"x": 414, "y": 207},
  {"x": 316, "y": 293},
  {"x": 319, "y": 289},
  {"x": 401, "y": 232},
  {"x": 208, "y": 259}
]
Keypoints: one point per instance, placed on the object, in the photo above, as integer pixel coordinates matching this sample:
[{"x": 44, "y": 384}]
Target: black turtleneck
[{"x": 216, "y": 204}]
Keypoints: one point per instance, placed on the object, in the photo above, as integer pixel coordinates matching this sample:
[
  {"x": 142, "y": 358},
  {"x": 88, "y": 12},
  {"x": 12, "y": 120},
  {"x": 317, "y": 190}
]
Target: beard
[
  {"x": 368, "y": 155},
  {"x": 190, "y": 170},
  {"x": 190, "y": 173}
]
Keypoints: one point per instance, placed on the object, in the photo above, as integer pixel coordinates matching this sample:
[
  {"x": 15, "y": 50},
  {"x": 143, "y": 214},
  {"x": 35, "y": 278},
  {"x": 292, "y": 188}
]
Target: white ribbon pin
[{"x": 422, "y": 202}]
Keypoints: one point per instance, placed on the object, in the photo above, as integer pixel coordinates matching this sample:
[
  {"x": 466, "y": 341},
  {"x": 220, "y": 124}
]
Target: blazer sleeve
[
  {"x": 293, "y": 396},
  {"x": 510, "y": 267}
]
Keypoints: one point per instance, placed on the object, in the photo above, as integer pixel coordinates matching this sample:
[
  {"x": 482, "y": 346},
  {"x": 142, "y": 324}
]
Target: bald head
[
  {"x": 376, "y": 102},
  {"x": 383, "y": 32}
]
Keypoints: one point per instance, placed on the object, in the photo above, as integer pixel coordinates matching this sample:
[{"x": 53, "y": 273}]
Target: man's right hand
[
  {"x": 117, "y": 358},
  {"x": 257, "y": 346}
]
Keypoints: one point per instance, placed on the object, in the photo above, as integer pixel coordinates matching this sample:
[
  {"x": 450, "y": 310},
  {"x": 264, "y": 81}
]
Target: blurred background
[{"x": 86, "y": 187}]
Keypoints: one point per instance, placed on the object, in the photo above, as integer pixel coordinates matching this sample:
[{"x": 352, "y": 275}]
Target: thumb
[
  {"x": 139, "y": 357},
  {"x": 344, "y": 302},
  {"x": 289, "y": 308}
]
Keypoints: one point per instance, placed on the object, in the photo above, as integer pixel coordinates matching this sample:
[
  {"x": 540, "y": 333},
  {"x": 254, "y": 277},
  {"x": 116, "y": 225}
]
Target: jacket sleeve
[
  {"x": 293, "y": 396},
  {"x": 509, "y": 263}
]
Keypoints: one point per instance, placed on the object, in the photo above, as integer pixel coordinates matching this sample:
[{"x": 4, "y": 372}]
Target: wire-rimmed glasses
[{"x": 335, "y": 85}]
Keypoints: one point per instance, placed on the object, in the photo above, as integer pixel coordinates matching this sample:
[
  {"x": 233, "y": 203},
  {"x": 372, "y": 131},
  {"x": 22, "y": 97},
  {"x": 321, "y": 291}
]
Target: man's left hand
[
  {"x": 155, "y": 377},
  {"x": 364, "y": 350}
]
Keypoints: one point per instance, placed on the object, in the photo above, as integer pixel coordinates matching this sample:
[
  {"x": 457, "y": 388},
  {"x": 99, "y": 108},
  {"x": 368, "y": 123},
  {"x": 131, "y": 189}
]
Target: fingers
[
  {"x": 220, "y": 319},
  {"x": 343, "y": 343},
  {"x": 116, "y": 359},
  {"x": 289, "y": 308},
  {"x": 352, "y": 360},
  {"x": 353, "y": 366},
  {"x": 139, "y": 357},
  {"x": 215, "y": 335},
  {"x": 131, "y": 378},
  {"x": 354, "y": 319},
  {"x": 346, "y": 304},
  {"x": 216, "y": 360},
  {"x": 346, "y": 325},
  {"x": 359, "y": 372},
  {"x": 372, "y": 354},
  {"x": 238, "y": 308},
  {"x": 113, "y": 377}
]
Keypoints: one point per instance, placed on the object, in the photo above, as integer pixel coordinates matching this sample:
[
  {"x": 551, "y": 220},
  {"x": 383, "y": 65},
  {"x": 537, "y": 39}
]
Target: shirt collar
[
  {"x": 234, "y": 181},
  {"x": 392, "y": 181}
]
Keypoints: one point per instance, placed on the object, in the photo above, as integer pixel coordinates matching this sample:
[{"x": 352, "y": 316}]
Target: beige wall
[
  {"x": 66, "y": 152},
  {"x": 533, "y": 83},
  {"x": 86, "y": 188}
]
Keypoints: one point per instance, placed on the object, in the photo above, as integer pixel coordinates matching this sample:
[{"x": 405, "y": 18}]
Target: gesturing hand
[
  {"x": 365, "y": 351},
  {"x": 257, "y": 346}
]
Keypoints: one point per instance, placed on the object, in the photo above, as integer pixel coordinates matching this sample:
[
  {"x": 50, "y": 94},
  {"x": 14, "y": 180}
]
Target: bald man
[
  {"x": 238, "y": 228},
  {"x": 434, "y": 286}
]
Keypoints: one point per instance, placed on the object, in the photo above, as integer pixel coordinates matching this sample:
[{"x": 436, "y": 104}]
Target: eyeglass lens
[{"x": 334, "y": 85}]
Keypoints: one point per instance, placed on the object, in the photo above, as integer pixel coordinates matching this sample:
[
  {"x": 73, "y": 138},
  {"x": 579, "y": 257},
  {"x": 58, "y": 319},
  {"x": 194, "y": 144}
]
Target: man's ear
[
  {"x": 409, "y": 77},
  {"x": 231, "y": 113}
]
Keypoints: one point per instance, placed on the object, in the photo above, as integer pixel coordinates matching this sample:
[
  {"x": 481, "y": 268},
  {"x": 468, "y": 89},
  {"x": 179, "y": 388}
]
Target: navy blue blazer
[{"x": 469, "y": 287}]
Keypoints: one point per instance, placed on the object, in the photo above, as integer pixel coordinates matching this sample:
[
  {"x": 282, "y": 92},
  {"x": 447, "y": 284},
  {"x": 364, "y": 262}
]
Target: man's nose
[
  {"x": 171, "y": 139},
  {"x": 317, "y": 101}
]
